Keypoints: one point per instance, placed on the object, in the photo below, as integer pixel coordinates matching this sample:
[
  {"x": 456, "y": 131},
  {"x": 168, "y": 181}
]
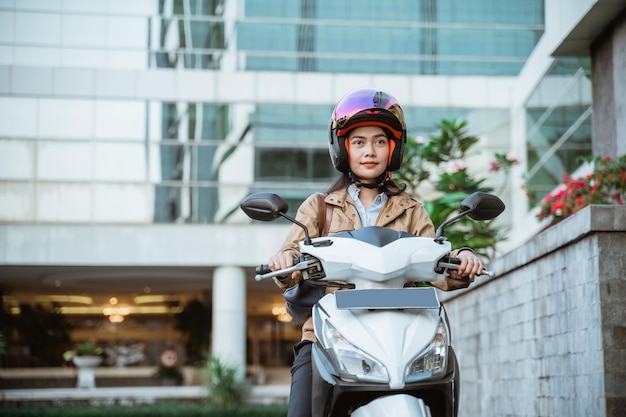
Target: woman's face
[{"x": 368, "y": 152}]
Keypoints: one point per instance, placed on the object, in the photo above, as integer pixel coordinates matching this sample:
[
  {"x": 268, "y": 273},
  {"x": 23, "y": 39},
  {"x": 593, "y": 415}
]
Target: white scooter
[{"x": 382, "y": 349}]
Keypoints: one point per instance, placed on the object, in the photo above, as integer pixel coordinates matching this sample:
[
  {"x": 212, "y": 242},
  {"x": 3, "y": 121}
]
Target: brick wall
[{"x": 547, "y": 335}]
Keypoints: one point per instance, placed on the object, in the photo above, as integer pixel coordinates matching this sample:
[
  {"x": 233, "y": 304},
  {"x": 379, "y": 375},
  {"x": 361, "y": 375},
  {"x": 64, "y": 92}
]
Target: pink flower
[
  {"x": 494, "y": 166},
  {"x": 512, "y": 158},
  {"x": 557, "y": 208},
  {"x": 454, "y": 165}
]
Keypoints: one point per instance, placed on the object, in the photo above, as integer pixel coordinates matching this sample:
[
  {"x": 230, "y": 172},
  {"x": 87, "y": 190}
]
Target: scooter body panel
[
  {"x": 394, "y": 405},
  {"x": 411, "y": 258},
  {"x": 333, "y": 397},
  {"x": 393, "y": 336}
]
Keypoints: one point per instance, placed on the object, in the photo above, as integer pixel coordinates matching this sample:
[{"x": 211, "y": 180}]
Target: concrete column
[
  {"x": 229, "y": 317},
  {"x": 608, "y": 63}
]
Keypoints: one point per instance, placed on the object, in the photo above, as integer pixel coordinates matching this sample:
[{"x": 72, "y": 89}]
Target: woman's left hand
[{"x": 470, "y": 266}]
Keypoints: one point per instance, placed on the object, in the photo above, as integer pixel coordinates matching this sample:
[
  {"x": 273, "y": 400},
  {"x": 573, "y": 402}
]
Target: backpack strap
[{"x": 324, "y": 213}]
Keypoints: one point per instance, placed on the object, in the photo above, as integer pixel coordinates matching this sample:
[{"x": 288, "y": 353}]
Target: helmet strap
[{"x": 380, "y": 181}]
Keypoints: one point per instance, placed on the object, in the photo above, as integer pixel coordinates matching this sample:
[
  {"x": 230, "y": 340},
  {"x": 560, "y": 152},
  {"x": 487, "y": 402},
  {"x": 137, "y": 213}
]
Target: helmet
[{"x": 366, "y": 107}]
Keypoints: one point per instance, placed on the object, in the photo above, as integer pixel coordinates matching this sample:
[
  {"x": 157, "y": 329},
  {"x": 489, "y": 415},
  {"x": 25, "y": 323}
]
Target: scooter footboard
[{"x": 394, "y": 405}]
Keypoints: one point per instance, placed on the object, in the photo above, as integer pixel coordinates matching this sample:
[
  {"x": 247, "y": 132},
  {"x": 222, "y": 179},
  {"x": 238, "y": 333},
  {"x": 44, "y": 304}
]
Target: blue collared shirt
[{"x": 369, "y": 215}]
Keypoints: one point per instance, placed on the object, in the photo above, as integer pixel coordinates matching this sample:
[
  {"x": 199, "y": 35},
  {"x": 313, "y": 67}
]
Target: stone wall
[{"x": 547, "y": 335}]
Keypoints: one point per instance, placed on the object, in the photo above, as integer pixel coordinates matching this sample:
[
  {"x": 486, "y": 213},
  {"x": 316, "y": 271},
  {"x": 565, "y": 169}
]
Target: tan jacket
[{"x": 400, "y": 212}]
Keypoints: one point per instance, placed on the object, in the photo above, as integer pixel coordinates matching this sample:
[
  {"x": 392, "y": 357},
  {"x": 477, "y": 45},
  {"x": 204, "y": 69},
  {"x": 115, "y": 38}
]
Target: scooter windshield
[{"x": 375, "y": 235}]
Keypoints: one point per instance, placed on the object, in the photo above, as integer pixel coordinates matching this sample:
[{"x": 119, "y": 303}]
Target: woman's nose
[{"x": 370, "y": 149}]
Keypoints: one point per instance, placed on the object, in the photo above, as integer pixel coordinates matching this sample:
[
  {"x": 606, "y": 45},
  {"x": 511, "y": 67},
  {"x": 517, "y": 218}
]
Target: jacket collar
[{"x": 401, "y": 201}]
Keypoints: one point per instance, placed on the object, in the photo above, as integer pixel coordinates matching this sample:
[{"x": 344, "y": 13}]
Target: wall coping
[{"x": 591, "y": 219}]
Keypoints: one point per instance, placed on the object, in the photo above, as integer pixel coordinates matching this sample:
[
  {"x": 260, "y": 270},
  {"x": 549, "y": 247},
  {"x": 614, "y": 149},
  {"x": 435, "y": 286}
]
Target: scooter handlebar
[
  {"x": 264, "y": 272},
  {"x": 453, "y": 263},
  {"x": 263, "y": 269}
]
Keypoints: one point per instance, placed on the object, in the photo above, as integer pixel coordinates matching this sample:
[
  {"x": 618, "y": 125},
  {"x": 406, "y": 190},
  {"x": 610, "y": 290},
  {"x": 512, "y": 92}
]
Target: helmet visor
[{"x": 367, "y": 105}]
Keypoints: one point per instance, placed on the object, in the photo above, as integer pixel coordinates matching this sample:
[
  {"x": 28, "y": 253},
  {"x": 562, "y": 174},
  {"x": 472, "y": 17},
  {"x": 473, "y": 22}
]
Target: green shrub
[
  {"x": 164, "y": 409},
  {"x": 227, "y": 388}
]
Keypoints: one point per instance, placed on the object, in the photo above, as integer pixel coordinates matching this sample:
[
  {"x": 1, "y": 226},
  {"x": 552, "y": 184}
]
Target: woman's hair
[{"x": 389, "y": 187}]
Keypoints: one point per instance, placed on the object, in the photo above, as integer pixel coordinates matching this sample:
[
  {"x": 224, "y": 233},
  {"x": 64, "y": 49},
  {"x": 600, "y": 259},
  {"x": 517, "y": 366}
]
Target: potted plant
[{"x": 86, "y": 354}]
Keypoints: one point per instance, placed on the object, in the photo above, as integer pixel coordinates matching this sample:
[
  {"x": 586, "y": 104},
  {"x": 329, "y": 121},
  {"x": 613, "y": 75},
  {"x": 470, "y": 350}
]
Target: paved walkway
[{"x": 261, "y": 394}]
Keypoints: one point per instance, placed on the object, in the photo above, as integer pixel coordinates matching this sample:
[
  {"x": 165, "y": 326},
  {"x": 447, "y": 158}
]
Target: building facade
[{"x": 130, "y": 131}]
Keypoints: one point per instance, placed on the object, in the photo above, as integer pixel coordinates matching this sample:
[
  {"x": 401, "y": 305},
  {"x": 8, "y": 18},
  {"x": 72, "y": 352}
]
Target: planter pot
[
  {"x": 86, "y": 375},
  {"x": 87, "y": 361}
]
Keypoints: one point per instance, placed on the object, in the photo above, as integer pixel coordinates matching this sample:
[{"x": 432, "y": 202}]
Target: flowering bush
[
  {"x": 605, "y": 185},
  {"x": 502, "y": 161},
  {"x": 441, "y": 160}
]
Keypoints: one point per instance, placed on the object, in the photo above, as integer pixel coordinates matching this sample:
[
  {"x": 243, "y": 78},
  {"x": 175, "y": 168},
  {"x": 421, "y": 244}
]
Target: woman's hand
[
  {"x": 470, "y": 266},
  {"x": 282, "y": 260}
]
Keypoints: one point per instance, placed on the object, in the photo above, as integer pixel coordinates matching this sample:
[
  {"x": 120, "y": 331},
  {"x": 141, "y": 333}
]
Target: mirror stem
[
  {"x": 307, "y": 239},
  {"x": 439, "y": 233}
]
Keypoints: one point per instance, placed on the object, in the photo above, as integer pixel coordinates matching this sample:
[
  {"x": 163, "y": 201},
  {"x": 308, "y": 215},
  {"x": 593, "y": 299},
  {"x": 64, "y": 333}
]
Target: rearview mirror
[
  {"x": 482, "y": 206},
  {"x": 265, "y": 207},
  {"x": 478, "y": 206}
]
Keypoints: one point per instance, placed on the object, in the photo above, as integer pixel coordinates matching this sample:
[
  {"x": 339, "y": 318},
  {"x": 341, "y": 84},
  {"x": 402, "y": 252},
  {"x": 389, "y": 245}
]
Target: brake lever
[{"x": 301, "y": 266}]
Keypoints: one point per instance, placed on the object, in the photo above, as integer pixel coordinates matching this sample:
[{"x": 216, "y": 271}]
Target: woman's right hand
[{"x": 282, "y": 260}]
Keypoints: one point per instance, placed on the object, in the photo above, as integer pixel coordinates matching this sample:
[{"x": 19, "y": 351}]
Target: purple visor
[{"x": 368, "y": 105}]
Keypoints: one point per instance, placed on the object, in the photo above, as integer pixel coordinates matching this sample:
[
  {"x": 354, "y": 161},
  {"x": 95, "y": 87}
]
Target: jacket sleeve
[
  {"x": 307, "y": 215},
  {"x": 423, "y": 226}
]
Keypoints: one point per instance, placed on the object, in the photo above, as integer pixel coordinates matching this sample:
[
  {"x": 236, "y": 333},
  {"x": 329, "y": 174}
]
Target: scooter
[{"x": 382, "y": 349}]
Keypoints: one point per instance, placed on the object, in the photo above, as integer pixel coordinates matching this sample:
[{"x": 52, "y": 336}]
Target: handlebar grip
[
  {"x": 263, "y": 269},
  {"x": 457, "y": 261}
]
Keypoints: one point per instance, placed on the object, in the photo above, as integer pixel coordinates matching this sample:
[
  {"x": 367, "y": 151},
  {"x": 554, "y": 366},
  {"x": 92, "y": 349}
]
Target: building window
[{"x": 558, "y": 116}]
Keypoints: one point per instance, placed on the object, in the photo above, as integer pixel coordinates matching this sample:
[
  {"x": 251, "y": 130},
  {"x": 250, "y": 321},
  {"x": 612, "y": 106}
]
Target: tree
[
  {"x": 45, "y": 331},
  {"x": 195, "y": 322},
  {"x": 440, "y": 161}
]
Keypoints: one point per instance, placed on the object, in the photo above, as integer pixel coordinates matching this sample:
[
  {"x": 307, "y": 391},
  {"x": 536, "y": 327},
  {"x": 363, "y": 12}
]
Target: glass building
[{"x": 133, "y": 124}]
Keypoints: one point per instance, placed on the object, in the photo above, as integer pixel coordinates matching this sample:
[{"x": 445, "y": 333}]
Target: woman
[{"x": 366, "y": 143}]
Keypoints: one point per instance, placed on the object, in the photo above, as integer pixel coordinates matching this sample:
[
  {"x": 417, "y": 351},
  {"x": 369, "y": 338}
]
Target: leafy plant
[
  {"x": 170, "y": 373},
  {"x": 87, "y": 348},
  {"x": 227, "y": 388},
  {"x": 158, "y": 409},
  {"x": 606, "y": 184},
  {"x": 44, "y": 330},
  {"x": 440, "y": 160}
]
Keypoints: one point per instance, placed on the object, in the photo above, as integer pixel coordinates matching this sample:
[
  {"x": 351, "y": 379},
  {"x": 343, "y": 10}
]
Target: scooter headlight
[
  {"x": 351, "y": 362},
  {"x": 432, "y": 361}
]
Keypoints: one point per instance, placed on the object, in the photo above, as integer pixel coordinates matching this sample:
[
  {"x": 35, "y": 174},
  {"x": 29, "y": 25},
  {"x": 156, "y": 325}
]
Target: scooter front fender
[{"x": 393, "y": 405}]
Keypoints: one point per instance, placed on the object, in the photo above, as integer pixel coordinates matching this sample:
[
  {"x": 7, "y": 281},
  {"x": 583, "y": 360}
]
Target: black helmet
[{"x": 367, "y": 107}]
